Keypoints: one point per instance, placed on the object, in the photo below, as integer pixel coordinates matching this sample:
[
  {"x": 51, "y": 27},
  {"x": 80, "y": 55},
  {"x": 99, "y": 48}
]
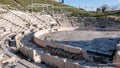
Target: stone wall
[
  {"x": 93, "y": 23},
  {"x": 40, "y": 56},
  {"x": 27, "y": 51},
  {"x": 48, "y": 59},
  {"x": 58, "y": 62},
  {"x": 30, "y": 53},
  {"x": 44, "y": 43}
]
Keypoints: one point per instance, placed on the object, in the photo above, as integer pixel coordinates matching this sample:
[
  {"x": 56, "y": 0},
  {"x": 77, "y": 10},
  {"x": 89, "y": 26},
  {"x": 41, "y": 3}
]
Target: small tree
[
  {"x": 104, "y": 8},
  {"x": 62, "y": 1},
  {"x": 98, "y": 10}
]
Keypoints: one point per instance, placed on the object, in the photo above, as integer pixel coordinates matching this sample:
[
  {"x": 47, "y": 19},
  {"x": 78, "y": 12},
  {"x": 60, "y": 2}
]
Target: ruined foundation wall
[
  {"x": 44, "y": 43},
  {"x": 58, "y": 62},
  {"x": 30, "y": 53},
  {"x": 27, "y": 51},
  {"x": 53, "y": 60}
]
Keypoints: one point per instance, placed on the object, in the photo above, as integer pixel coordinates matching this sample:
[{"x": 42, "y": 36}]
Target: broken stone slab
[
  {"x": 72, "y": 65},
  {"x": 86, "y": 56},
  {"x": 30, "y": 53},
  {"x": 13, "y": 59},
  {"x": 27, "y": 64},
  {"x": 118, "y": 47},
  {"x": 1, "y": 56}
]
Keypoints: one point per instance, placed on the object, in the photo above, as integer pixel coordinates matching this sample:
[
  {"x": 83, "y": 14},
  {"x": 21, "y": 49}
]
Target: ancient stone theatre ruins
[{"x": 41, "y": 40}]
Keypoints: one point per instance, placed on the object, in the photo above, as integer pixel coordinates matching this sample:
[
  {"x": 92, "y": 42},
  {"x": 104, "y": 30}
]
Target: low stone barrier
[
  {"x": 52, "y": 61},
  {"x": 45, "y": 43},
  {"x": 17, "y": 39},
  {"x": 62, "y": 53},
  {"x": 27, "y": 51},
  {"x": 58, "y": 62},
  {"x": 72, "y": 65},
  {"x": 30, "y": 53}
]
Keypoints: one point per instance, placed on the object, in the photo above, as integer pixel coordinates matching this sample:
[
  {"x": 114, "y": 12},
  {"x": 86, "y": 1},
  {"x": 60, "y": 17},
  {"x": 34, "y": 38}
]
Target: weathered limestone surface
[
  {"x": 72, "y": 65},
  {"x": 109, "y": 38},
  {"x": 45, "y": 43},
  {"x": 58, "y": 62},
  {"x": 52, "y": 61},
  {"x": 19, "y": 22},
  {"x": 116, "y": 59},
  {"x": 30, "y": 53},
  {"x": 25, "y": 64},
  {"x": 24, "y": 23},
  {"x": 1, "y": 56}
]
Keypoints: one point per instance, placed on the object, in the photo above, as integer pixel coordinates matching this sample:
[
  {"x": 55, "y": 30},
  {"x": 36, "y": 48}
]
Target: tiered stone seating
[
  {"x": 14, "y": 19},
  {"x": 62, "y": 20}
]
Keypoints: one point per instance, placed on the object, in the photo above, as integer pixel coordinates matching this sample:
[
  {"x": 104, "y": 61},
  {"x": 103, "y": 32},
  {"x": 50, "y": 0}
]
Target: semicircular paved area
[{"x": 92, "y": 41}]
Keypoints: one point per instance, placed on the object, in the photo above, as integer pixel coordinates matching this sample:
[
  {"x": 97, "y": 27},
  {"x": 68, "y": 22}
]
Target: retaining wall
[
  {"x": 57, "y": 61},
  {"x": 27, "y": 51},
  {"x": 45, "y": 43},
  {"x": 53, "y": 61},
  {"x": 32, "y": 54}
]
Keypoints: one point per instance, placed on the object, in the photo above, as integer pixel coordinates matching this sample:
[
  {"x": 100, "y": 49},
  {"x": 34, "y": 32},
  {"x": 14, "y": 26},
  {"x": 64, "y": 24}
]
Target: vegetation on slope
[
  {"x": 8, "y": 2},
  {"x": 59, "y": 7},
  {"x": 25, "y": 3}
]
